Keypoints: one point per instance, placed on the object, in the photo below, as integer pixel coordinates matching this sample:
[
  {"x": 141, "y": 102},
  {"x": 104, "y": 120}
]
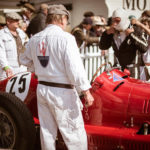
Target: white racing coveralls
[
  {"x": 8, "y": 52},
  {"x": 58, "y": 107}
]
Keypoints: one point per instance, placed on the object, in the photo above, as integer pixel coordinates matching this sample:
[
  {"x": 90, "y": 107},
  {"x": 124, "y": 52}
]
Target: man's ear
[
  {"x": 61, "y": 21},
  {"x": 7, "y": 21}
]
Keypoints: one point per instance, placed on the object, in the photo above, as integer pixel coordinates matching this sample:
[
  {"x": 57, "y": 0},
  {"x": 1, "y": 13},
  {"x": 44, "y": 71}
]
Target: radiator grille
[
  {"x": 135, "y": 145},
  {"x": 97, "y": 142}
]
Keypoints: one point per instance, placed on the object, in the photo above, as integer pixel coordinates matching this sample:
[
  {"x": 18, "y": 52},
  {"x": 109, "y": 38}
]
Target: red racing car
[{"x": 119, "y": 119}]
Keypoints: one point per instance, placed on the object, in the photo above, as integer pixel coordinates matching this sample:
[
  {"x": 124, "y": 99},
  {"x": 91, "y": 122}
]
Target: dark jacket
[
  {"x": 81, "y": 37},
  {"x": 127, "y": 51},
  {"x": 37, "y": 24}
]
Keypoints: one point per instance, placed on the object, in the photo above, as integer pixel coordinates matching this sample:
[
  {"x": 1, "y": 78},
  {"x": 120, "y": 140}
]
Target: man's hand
[
  {"x": 111, "y": 30},
  {"x": 135, "y": 21},
  {"x": 128, "y": 31},
  {"x": 88, "y": 98},
  {"x": 9, "y": 72}
]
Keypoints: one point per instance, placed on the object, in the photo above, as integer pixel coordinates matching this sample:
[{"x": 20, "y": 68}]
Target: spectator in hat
[
  {"x": 38, "y": 23},
  {"x": 127, "y": 41},
  {"x": 12, "y": 41},
  {"x": 60, "y": 71},
  {"x": 98, "y": 27},
  {"x": 144, "y": 24},
  {"x": 2, "y": 21},
  {"x": 146, "y": 13},
  {"x": 26, "y": 12},
  {"x": 82, "y": 33}
]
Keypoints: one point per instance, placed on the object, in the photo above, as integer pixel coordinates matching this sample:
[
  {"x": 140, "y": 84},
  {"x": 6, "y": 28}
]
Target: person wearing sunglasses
[{"x": 127, "y": 42}]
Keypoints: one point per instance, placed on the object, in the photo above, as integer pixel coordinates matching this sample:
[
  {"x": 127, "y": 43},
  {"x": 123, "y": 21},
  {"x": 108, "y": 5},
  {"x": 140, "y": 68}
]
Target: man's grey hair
[{"x": 54, "y": 18}]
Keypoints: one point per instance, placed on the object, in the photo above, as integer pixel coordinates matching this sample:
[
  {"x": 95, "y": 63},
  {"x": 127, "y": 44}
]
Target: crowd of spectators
[
  {"x": 129, "y": 37},
  {"x": 94, "y": 29}
]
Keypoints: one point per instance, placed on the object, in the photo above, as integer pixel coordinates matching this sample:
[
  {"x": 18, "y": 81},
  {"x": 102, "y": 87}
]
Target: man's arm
[
  {"x": 80, "y": 36},
  {"x": 138, "y": 23},
  {"x": 138, "y": 38},
  {"x": 91, "y": 40},
  {"x": 106, "y": 39},
  {"x": 75, "y": 70},
  {"x": 3, "y": 60},
  {"x": 88, "y": 97},
  {"x": 26, "y": 58}
]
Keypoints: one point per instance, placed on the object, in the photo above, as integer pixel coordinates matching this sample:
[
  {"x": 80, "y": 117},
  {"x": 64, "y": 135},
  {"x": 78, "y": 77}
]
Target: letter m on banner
[{"x": 135, "y": 4}]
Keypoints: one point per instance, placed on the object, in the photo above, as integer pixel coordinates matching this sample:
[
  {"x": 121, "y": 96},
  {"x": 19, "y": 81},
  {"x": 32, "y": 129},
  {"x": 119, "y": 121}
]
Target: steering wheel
[{"x": 105, "y": 64}]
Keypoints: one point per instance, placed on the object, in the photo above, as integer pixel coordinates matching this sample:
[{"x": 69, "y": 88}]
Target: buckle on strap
[{"x": 59, "y": 85}]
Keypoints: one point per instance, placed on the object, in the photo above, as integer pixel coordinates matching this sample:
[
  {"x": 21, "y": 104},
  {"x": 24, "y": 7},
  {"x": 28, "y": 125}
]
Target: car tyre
[{"x": 17, "y": 130}]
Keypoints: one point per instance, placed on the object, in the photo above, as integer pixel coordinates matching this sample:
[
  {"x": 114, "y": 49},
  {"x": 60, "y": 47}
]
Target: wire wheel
[{"x": 7, "y": 130}]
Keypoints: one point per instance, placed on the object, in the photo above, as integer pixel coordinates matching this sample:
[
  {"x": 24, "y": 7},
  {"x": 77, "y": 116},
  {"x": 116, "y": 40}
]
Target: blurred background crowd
[{"x": 93, "y": 26}]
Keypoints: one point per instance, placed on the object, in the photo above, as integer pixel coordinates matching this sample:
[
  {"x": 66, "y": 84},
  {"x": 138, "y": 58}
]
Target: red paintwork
[
  {"x": 31, "y": 100},
  {"x": 131, "y": 99},
  {"x": 117, "y": 114}
]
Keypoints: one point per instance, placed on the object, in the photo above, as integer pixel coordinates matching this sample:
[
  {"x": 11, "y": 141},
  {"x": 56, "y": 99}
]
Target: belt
[{"x": 59, "y": 85}]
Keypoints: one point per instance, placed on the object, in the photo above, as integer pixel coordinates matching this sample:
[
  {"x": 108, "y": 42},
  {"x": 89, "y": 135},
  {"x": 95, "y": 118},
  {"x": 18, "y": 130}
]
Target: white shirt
[
  {"x": 62, "y": 57},
  {"x": 8, "y": 51},
  {"x": 26, "y": 20},
  {"x": 119, "y": 38}
]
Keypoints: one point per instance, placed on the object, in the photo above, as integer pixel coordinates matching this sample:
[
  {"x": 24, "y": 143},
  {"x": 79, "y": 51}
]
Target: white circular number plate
[{"x": 19, "y": 85}]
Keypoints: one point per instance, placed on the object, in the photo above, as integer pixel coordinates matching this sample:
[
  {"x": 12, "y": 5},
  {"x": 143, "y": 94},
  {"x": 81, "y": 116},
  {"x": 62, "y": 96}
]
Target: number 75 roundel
[{"x": 19, "y": 85}]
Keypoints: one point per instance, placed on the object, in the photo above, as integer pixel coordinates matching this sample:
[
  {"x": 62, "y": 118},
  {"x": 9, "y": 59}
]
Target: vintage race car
[{"x": 119, "y": 119}]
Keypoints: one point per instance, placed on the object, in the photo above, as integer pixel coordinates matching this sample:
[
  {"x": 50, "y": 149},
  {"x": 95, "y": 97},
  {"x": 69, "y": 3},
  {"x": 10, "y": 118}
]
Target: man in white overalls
[{"x": 61, "y": 74}]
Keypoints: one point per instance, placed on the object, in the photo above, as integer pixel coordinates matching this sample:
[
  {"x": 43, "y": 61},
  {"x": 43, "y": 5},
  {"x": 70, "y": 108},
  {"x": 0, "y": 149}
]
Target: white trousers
[{"x": 60, "y": 108}]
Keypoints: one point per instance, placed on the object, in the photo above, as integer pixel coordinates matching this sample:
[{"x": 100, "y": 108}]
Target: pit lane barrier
[{"x": 92, "y": 59}]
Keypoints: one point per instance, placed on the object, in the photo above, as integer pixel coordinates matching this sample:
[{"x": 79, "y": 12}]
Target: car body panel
[{"x": 117, "y": 118}]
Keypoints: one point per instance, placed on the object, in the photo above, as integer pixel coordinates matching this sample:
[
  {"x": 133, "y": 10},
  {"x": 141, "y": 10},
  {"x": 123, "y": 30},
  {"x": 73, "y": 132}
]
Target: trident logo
[
  {"x": 43, "y": 49},
  {"x": 43, "y": 59}
]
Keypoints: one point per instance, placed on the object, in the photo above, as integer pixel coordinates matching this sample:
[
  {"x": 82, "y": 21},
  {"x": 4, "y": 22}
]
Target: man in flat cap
[
  {"x": 11, "y": 45},
  {"x": 60, "y": 72}
]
